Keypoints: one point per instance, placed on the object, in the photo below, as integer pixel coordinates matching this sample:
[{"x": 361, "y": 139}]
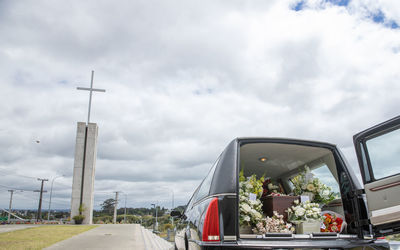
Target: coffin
[{"x": 279, "y": 204}]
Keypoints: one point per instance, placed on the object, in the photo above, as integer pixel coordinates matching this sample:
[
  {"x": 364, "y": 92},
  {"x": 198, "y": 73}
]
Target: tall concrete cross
[
  {"x": 84, "y": 165},
  {"x": 91, "y": 89}
]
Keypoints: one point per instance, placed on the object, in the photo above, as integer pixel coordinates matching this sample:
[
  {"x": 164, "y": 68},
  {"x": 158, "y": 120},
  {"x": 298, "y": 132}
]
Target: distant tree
[{"x": 108, "y": 206}]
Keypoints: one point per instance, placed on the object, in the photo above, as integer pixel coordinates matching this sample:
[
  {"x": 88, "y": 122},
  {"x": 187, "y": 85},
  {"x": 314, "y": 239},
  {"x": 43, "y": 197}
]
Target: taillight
[{"x": 211, "y": 222}]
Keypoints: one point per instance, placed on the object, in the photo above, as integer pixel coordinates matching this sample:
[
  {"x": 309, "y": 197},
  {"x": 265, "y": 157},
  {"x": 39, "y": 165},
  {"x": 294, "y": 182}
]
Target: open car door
[{"x": 378, "y": 153}]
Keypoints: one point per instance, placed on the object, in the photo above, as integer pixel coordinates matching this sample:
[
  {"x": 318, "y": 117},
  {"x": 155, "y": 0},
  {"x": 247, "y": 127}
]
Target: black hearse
[{"x": 211, "y": 218}]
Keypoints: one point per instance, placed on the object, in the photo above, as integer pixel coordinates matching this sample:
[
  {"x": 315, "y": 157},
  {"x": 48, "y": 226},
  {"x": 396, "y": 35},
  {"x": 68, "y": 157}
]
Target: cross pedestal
[{"x": 84, "y": 171}]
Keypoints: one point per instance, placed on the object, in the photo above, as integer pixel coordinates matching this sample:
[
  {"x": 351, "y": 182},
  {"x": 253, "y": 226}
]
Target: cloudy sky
[{"x": 183, "y": 79}]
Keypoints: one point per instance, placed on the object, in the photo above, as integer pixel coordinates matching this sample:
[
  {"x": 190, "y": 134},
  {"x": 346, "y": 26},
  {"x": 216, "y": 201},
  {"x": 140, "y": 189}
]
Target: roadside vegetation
[
  {"x": 395, "y": 237},
  {"x": 40, "y": 237},
  {"x": 144, "y": 216}
]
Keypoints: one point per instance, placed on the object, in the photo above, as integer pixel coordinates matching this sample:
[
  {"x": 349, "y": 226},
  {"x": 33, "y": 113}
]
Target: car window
[
  {"x": 324, "y": 174},
  {"x": 190, "y": 203},
  {"x": 384, "y": 154},
  {"x": 204, "y": 189}
]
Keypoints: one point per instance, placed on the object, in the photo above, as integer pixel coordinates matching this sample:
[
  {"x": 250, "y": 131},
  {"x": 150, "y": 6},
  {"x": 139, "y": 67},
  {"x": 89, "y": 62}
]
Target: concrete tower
[{"x": 84, "y": 170}]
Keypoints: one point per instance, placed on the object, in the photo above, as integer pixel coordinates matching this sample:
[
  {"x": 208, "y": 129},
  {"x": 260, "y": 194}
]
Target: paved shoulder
[
  {"x": 120, "y": 236},
  {"x": 9, "y": 228}
]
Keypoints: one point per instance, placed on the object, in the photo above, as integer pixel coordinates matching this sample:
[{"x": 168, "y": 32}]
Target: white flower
[
  {"x": 296, "y": 202},
  {"x": 325, "y": 192},
  {"x": 310, "y": 187},
  {"x": 300, "y": 212},
  {"x": 256, "y": 214},
  {"x": 246, "y": 207}
]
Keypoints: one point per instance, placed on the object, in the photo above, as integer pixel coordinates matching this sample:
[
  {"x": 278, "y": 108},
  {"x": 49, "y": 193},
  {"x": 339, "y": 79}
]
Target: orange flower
[{"x": 332, "y": 223}]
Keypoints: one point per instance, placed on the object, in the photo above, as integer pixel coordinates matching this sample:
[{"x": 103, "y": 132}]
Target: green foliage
[
  {"x": 82, "y": 208},
  {"x": 102, "y": 219},
  {"x": 78, "y": 219},
  {"x": 108, "y": 206},
  {"x": 241, "y": 176},
  {"x": 305, "y": 183},
  {"x": 146, "y": 216},
  {"x": 395, "y": 237},
  {"x": 250, "y": 209},
  {"x": 167, "y": 226},
  {"x": 253, "y": 185}
]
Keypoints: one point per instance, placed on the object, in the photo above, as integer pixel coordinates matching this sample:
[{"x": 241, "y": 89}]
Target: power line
[
  {"x": 18, "y": 175},
  {"x": 19, "y": 189}
]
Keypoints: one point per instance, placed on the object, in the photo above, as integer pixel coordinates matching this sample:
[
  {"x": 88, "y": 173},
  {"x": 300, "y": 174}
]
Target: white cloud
[{"x": 182, "y": 81}]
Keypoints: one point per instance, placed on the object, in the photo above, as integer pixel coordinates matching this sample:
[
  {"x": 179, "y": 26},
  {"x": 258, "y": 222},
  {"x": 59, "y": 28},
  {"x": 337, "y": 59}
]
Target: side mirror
[{"x": 175, "y": 213}]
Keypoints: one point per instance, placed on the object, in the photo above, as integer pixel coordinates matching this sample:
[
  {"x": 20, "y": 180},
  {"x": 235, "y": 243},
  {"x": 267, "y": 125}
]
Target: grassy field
[{"x": 39, "y": 237}]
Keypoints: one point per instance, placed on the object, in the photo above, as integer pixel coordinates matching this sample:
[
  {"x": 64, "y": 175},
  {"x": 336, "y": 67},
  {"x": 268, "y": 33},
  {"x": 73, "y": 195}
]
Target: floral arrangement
[
  {"x": 270, "y": 189},
  {"x": 306, "y": 183},
  {"x": 305, "y": 211},
  {"x": 250, "y": 206},
  {"x": 274, "y": 224},
  {"x": 332, "y": 223}
]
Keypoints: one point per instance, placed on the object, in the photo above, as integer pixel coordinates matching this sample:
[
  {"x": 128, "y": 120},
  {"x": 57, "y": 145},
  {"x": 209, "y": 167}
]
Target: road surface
[{"x": 110, "y": 236}]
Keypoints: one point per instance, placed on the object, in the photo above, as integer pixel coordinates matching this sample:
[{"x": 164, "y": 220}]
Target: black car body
[{"x": 211, "y": 218}]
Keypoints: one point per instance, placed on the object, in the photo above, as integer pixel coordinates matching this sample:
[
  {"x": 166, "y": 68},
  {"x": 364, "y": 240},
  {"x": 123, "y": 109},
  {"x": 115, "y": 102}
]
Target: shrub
[
  {"x": 167, "y": 226},
  {"x": 78, "y": 219}
]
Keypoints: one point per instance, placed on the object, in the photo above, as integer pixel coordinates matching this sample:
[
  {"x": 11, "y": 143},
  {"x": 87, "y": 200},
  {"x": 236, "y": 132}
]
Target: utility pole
[
  {"x": 9, "y": 207},
  {"x": 172, "y": 208},
  {"x": 115, "y": 208},
  {"x": 125, "y": 208},
  {"x": 39, "y": 214},
  {"x": 156, "y": 220}
]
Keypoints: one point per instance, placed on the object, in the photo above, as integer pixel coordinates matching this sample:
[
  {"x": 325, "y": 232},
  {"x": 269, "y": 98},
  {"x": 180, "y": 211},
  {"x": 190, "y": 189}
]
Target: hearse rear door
[{"x": 378, "y": 153}]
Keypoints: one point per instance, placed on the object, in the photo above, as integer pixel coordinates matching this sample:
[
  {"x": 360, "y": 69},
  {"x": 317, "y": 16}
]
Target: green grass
[
  {"x": 393, "y": 237},
  {"x": 39, "y": 237}
]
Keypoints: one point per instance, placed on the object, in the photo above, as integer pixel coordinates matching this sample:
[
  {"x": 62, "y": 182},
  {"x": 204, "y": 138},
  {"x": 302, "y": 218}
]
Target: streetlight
[
  {"x": 172, "y": 191},
  {"x": 172, "y": 207},
  {"x": 156, "y": 225},
  {"x": 51, "y": 192},
  {"x": 126, "y": 197}
]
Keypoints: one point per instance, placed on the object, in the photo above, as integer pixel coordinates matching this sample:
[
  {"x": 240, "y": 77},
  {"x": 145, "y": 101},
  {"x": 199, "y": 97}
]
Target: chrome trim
[
  {"x": 230, "y": 237},
  {"x": 212, "y": 196},
  {"x": 393, "y": 184},
  {"x": 302, "y": 243}
]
